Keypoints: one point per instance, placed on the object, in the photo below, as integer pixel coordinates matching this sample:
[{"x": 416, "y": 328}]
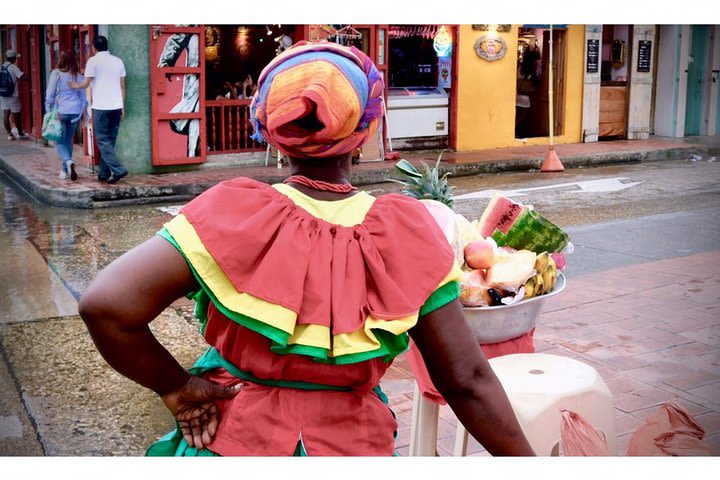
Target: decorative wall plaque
[
  {"x": 490, "y": 48},
  {"x": 504, "y": 28}
]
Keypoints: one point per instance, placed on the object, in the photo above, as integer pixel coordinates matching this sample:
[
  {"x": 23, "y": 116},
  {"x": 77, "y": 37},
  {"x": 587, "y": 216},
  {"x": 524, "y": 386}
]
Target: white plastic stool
[
  {"x": 424, "y": 426},
  {"x": 539, "y": 386}
]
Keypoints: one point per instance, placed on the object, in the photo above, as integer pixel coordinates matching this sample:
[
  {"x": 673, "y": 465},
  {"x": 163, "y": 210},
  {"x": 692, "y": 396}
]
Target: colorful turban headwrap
[{"x": 317, "y": 100}]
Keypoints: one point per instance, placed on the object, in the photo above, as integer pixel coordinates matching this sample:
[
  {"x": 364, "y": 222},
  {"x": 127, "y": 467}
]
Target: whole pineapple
[{"x": 425, "y": 185}]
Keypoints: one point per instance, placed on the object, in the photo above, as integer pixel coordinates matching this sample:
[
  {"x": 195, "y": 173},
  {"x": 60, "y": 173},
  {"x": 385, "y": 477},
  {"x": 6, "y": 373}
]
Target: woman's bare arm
[
  {"x": 462, "y": 374},
  {"x": 118, "y": 307},
  {"x": 124, "y": 298}
]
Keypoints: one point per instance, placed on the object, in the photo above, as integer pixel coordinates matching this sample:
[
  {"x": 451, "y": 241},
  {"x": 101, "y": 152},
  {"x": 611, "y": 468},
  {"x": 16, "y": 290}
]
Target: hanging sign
[
  {"x": 442, "y": 43},
  {"x": 644, "y": 55},
  {"x": 490, "y": 48},
  {"x": 444, "y": 69},
  {"x": 593, "y": 56}
]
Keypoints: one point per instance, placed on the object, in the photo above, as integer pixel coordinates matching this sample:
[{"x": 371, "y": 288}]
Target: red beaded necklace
[{"x": 320, "y": 185}]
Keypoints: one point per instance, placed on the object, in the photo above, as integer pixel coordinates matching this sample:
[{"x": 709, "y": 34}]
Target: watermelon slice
[
  {"x": 500, "y": 214},
  {"x": 518, "y": 226}
]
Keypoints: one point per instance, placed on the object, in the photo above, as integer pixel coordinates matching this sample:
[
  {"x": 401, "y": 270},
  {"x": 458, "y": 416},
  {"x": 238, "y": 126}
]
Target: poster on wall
[
  {"x": 644, "y": 55},
  {"x": 444, "y": 69},
  {"x": 593, "y": 55}
]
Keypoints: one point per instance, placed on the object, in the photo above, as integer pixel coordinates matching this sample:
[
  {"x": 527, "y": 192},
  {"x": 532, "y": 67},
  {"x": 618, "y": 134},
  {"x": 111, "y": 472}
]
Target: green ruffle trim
[{"x": 391, "y": 345}]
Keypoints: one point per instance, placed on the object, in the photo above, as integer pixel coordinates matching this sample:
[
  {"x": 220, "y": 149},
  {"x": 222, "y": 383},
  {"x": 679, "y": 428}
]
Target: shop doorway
[
  {"x": 532, "y": 99},
  {"x": 420, "y": 84},
  {"x": 234, "y": 57},
  {"x": 697, "y": 80},
  {"x": 615, "y": 74},
  {"x": 25, "y": 39}
]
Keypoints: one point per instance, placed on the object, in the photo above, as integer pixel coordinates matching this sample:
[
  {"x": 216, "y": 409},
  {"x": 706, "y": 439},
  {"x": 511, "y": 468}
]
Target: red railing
[{"x": 228, "y": 127}]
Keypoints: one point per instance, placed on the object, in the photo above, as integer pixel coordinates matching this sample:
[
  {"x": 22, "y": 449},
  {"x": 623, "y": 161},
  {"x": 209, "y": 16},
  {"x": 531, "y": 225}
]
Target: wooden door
[
  {"x": 696, "y": 80},
  {"x": 177, "y": 95}
]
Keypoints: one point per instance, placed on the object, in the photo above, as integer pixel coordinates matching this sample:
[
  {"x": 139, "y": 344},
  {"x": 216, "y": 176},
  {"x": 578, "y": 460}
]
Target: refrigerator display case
[{"x": 417, "y": 112}]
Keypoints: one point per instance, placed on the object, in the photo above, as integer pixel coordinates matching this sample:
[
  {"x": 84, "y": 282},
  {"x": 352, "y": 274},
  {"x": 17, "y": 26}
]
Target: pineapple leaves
[
  {"x": 407, "y": 169},
  {"x": 426, "y": 184}
]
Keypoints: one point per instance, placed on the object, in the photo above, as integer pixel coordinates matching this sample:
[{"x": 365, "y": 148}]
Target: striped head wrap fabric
[{"x": 317, "y": 100}]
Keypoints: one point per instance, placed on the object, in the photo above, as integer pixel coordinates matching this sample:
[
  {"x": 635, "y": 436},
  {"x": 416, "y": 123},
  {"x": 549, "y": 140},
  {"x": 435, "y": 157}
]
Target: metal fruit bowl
[{"x": 505, "y": 322}]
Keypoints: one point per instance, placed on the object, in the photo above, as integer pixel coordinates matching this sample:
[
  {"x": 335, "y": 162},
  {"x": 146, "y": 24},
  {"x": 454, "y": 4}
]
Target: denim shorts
[{"x": 10, "y": 103}]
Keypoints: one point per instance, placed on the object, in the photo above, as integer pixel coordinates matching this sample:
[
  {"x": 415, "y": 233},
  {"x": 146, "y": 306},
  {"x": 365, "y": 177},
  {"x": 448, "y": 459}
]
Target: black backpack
[{"x": 7, "y": 85}]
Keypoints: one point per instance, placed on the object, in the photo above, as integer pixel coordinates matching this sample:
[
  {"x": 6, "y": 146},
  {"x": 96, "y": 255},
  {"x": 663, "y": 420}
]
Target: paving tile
[
  {"x": 691, "y": 407},
  {"x": 713, "y": 441},
  {"x": 709, "y": 392},
  {"x": 403, "y": 451},
  {"x": 687, "y": 381},
  {"x": 710, "y": 422},
  {"x": 637, "y": 347},
  {"x": 708, "y": 336},
  {"x": 403, "y": 437},
  {"x": 630, "y": 402},
  {"x": 658, "y": 334},
  {"x": 687, "y": 350},
  {"x": 622, "y": 385},
  {"x": 625, "y": 423},
  {"x": 394, "y": 387},
  {"x": 622, "y": 444},
  {"x": 617, "y": 362},
  {"x": 448, "y": 444}
]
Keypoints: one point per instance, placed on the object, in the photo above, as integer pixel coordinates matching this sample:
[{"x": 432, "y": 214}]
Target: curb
[{"x": 131, "y": 195}]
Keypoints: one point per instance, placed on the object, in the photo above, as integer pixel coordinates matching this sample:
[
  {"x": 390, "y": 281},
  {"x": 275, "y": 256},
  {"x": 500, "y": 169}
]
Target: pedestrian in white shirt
[{"x": 105, "y": 75}]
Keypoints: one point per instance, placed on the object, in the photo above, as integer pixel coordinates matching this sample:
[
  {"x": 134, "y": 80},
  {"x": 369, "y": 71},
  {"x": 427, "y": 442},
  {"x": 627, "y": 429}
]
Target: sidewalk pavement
[{"x": 35, "y": 168}]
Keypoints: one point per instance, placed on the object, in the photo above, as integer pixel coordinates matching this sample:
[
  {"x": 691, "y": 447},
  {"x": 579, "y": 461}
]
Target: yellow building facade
[{"x": 487, "y": 91}]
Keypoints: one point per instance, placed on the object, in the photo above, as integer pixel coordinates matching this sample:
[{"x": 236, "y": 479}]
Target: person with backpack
[
  {"x": 71, "y": 104},
  {"x": 10, "y": 74}
]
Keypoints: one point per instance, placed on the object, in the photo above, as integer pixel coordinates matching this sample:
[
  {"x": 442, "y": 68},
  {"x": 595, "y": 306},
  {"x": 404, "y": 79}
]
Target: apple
[{"x": 480, "y": 253}]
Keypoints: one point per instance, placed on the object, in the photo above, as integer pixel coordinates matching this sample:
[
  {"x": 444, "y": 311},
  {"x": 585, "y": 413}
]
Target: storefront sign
[
  {"x": 593, "y": 56},
  {"x": 442, "y": 43},
  {"x": 490, "y": 48},
  {"x": 444, "y": 69},
  {"x": 644, "y": 55}
]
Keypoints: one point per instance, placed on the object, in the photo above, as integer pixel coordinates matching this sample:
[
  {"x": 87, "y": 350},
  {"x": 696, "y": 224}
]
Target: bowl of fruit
[
  {"x": 512, "y": 257},
  {"x": 499, "y": 323}
]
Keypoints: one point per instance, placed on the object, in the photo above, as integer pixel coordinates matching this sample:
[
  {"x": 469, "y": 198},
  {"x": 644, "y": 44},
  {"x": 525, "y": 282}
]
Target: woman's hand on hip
[{"x": 195, "y": 409}]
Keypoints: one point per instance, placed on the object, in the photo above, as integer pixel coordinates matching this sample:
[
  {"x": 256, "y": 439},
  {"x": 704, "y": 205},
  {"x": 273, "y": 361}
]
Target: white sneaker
[
  {"x": 11, "y": 137},
  {"x": 63, "y": 176}
]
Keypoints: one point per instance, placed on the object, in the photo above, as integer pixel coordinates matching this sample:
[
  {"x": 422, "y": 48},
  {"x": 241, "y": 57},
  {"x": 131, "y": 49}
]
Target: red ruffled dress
[{"x": 306, "y": 302}]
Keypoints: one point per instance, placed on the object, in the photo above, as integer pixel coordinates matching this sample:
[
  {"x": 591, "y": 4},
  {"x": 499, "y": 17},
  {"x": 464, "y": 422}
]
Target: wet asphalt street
[{"x": 58, "y": 397}]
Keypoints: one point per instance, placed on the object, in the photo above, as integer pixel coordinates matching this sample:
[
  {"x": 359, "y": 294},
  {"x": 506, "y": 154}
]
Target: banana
[
  {"x": 542, "y": 261},
  {"x": 539, "y": 282},
  {"x": 549, "y": 278},
  {"x": 530, "y": 289}
]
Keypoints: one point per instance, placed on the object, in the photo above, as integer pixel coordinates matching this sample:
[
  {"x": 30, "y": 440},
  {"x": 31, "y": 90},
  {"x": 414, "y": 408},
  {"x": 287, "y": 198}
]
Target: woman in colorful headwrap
[{"x": 306, "y": 291}]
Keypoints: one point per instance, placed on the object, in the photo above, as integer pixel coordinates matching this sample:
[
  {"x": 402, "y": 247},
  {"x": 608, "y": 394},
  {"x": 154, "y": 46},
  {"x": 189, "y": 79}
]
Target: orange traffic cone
[{"x": 552, "y": 163}]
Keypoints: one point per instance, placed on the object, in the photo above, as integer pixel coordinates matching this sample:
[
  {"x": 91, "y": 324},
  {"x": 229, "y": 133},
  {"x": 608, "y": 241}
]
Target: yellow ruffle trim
[{"x": 282, "y": 318}]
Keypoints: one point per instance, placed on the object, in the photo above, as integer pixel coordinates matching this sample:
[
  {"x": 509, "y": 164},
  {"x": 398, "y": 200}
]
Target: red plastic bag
[
  {"x": 671, "y": 431},
  {"x": 578, "y": 438}
]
